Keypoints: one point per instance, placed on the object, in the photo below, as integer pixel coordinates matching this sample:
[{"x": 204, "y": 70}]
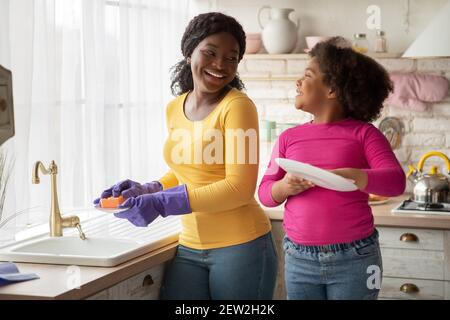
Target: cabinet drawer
[
  {"x": 424, "y": 239},
  {"x": 406, "y": 263},
  {"x": 427, "y": 289},
  {"x": 143, "y": 286}
]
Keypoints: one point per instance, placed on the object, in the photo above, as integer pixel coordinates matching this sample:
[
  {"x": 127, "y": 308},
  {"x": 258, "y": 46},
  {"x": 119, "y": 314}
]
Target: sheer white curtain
[{"x": 91, "y": 82}]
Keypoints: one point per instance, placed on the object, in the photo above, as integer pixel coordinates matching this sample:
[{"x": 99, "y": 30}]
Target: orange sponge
[{"x": 111, "y": 202}]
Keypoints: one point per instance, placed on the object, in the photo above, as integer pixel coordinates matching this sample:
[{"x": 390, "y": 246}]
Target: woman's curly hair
[
  {"x": 360, "y": 83},
  {"x": 199, "y": 28}
]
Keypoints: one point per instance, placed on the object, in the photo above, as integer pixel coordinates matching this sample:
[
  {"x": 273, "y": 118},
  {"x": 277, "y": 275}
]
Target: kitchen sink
[
  {"x": 73, "y": 250},
  {"x": 109, "y": 242}
]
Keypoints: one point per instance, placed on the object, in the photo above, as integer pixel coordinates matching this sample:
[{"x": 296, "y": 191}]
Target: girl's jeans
[{"x": 351, "y": 271}]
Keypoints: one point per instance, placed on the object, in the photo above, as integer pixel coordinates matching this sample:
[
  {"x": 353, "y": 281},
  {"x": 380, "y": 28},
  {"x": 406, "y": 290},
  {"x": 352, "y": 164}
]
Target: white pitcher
[{"x": 280, "y": 34}]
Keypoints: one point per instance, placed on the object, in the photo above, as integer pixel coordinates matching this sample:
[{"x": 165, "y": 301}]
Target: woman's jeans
[
  {"x": 351, "y": 271},
  {"x": 244, "y": 271}
]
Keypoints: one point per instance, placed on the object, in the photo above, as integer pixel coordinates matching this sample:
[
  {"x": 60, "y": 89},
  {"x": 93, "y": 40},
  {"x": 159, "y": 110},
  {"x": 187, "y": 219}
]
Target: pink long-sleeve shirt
[{"x": 320, "y": 216}]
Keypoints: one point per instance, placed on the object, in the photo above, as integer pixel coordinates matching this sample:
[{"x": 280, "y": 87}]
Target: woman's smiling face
[
  {"x": 214, "y": 62},
  {"x": 312, "y": 92}
]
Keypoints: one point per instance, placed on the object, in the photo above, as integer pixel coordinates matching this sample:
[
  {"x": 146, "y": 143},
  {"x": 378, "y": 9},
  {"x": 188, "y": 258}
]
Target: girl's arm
[
  {"x": 277, "y": 185},
  {"x": 385, "y": 176}
]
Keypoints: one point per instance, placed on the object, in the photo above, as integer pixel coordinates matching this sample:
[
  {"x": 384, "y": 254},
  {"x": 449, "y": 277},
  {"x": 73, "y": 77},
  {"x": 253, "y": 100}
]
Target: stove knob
[{"x": 409, "y": 237}]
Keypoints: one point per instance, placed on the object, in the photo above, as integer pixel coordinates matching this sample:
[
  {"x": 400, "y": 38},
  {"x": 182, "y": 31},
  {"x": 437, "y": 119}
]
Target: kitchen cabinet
[
  {"x": 415, "y": 263},
  {"x": 143, "y": 286}
]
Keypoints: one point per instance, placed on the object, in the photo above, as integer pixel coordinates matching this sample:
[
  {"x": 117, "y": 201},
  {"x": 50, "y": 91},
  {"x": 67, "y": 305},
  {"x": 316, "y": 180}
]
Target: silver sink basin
[{"x": 110, "y": 241}]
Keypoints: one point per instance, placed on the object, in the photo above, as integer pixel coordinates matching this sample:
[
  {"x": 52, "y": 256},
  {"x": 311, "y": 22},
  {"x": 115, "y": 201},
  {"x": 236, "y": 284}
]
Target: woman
[{"x": 225, "y": 247}]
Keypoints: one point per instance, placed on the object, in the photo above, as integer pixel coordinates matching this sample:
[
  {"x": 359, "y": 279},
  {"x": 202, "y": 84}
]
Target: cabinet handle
[
  {"x": 409, "y": 237},
  {"x": 148, "y": 281},
  {"x": 409, "y": 288}
]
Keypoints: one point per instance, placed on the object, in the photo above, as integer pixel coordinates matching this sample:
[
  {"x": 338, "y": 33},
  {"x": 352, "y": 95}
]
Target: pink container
[
  {"x": 312, "y": 41},
  {"x": 253, "y": 43}
]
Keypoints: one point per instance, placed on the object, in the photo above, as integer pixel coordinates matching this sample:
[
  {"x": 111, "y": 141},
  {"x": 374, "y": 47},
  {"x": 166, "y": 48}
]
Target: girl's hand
[
  {"x": 358, "y": 176},
  {"x": 290, "y": 185},
  {"x": 294, "y": 184}
]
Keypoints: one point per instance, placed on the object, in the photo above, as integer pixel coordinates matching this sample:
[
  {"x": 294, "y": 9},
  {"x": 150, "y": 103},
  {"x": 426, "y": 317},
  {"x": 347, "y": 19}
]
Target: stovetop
[{"x": 409, "y": 206}]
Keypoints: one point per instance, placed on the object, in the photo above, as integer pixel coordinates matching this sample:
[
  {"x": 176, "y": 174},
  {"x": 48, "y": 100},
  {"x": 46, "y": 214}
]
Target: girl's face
[
  {"x": 214, "y": 62},
  {"x": 312, "y": 93}
]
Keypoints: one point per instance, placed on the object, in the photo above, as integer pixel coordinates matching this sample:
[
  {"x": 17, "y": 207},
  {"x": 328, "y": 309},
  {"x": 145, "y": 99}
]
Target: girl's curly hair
[
  {"x": 199, "y": 28},
  {"x": 360, "y": 83}
]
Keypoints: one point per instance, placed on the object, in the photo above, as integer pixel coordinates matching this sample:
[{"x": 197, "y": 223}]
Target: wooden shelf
[
  {"x": 304, "y": 56},
  {"x": 268, "y": 76}
]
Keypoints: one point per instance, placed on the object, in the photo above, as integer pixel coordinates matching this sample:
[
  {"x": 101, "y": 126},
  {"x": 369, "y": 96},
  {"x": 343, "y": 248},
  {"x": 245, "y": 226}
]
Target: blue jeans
[
  {"x": 244, "y": 271},
  {"x": 349, "y": 271}
]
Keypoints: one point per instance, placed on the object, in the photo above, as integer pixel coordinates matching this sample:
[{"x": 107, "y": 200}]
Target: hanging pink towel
[{"x": 413, "y": 90}]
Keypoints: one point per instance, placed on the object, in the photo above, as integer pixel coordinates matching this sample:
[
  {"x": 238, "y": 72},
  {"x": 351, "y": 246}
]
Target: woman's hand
[
  {"x": 129, "y": 188},
  {"x": 290, "y": 185},
  {"x": 358, "y": 176}
]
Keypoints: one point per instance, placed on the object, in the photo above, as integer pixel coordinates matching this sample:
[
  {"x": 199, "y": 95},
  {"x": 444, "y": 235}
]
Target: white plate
[
  {"x": 319, "y": 177},
  {"x": 374, "y": 203},
  {"x": 110, "y": 210}
]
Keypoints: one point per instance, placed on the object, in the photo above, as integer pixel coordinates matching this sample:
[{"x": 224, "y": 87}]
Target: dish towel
[
  {"x": 413, "y": 90},
  {"x": 9, "y": 274}
]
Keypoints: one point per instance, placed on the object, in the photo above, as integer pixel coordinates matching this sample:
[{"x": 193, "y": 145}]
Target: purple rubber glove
[
  {"x": 128, "y": 188},
  {"x": 147, "y": 207}
]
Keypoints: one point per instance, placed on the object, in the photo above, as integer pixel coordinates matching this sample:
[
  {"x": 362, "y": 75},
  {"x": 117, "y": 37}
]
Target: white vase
[{"x": 279, "y": 35}]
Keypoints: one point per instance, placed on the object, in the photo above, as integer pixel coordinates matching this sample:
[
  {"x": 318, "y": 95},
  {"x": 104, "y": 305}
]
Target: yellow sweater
[{"x": 220, "y": 168}]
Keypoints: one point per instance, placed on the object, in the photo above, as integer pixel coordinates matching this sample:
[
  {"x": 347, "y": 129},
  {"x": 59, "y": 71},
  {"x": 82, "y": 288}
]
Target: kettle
[{"x": 432, "y": 187}]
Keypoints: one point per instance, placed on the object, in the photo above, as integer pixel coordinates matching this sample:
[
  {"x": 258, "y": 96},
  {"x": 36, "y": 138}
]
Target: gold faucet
[{"x": 57, "y": 223}]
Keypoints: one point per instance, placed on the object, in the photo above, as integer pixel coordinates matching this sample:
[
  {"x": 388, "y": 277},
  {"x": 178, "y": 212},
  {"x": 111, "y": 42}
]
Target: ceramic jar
[{"x": 279, "y": 35}]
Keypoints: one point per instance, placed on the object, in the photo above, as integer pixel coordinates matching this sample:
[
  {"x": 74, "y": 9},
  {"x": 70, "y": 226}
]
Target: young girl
[{"x": 331, "y": 245}]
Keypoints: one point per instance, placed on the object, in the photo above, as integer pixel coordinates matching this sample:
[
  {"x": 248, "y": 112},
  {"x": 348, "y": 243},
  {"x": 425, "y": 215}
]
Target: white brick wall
[
  {"x": 438, "y": 124},
  {"x": 424, "y": 139},
  {"x": 398, "y": 65},
  {"x": 441, "y": 110},
  {"x": 440, "y": 65},
  {"x": 267, "y": 93},
  {"x": 296, "y": 66},
  {"x": 424, "y": 131},
  {"x": 271, "y": 66}
]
